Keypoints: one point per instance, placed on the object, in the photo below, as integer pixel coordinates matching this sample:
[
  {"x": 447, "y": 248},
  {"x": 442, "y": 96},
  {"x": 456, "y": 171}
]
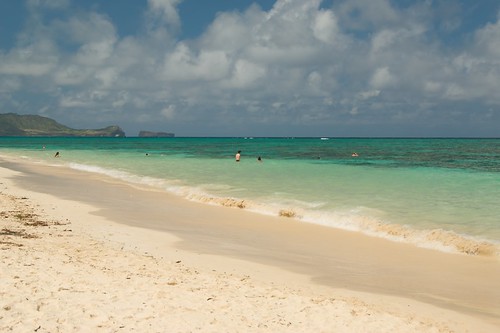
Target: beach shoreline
[{"x": 84, "y": 271}]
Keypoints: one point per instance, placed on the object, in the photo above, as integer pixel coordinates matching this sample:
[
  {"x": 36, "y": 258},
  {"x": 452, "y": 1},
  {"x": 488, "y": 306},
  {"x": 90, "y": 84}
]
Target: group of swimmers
[{"x": 237, "y": 157}]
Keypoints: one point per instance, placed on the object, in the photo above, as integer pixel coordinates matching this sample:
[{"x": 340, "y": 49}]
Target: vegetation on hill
[{"x": 12, "y": 124}]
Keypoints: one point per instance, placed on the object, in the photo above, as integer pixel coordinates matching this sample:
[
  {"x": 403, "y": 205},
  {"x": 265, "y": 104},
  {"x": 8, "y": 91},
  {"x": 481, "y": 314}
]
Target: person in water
[
  {"x": 57, "y": 154},
  {"x": 238, "y": 156}
]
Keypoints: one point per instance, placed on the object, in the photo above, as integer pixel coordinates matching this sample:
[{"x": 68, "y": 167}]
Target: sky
[{"x": 337, "y": 68}]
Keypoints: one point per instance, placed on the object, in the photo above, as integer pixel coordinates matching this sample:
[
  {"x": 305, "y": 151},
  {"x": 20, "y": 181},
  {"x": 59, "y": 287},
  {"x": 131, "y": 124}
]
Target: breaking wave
[{"x": 358, "y": 219}]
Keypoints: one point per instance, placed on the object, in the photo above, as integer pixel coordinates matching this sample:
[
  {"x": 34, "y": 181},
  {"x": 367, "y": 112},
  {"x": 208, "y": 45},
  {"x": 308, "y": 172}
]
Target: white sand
[{"x": 64, "y": 269}]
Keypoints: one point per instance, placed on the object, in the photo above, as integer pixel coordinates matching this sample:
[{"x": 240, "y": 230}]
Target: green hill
[{"x": 12, "y": 124}]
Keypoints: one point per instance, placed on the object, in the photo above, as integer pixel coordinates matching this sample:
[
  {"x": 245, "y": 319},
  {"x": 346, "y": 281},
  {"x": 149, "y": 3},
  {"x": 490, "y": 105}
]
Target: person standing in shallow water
[{"x": 238, "y": 156}]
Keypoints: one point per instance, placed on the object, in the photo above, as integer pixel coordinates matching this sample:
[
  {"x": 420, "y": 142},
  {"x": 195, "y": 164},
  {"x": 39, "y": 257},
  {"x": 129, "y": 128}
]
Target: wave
[
  {"x": 436, "y": 239},
  {"x": 358, "y": 219},
  {"x": 439, "y": 239}
]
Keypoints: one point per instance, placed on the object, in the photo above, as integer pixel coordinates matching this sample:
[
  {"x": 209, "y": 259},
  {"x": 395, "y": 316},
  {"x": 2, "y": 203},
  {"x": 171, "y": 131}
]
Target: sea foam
[{"x": 358, "y": 219}]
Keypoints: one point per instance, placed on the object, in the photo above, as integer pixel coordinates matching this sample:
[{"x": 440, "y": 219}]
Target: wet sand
[{"x": 399, "y": 282}]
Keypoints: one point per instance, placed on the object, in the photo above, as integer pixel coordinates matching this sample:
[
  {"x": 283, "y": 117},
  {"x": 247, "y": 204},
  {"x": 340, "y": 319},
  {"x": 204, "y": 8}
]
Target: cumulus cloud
[
  {"x": 367, "y": 14},
  {"x": 325, "y": 26},
  {"x": 168, "y": 112},
  {"x": 300, "y": 62},
  {"x": 382, "y": 78},
  {"x": 165, "y": 10},
  {"x": 183, "y": 65},
  {"x": 245, "y": 74}
]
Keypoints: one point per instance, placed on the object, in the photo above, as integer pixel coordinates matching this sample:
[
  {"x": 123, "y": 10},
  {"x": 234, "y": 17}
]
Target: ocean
[{"x": 442, "y": 194}]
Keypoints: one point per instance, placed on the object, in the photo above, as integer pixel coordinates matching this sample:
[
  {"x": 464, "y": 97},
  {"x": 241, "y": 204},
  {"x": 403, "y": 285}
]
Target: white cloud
[
  {"x": 94, "y": 54},
  {"x": 432, "y": 86},
  {"x": 292, "y": 10},
  {"x": 165, "y": 10},
  {"x": 325, "y": 26},
  {"x": 475, "y": 72},
  {"x": 168, "y": 112},
  {"x": 183, "y": 65},
  {"x": 289, "y": 55},
  {"x": 231, "y": 31},
  {"x": 72, "y": 102},
  {"x": 24, "y": 69},
  {"x": 121, "y": 99},
  {"x": 369, "y": 94},
  {"x": 69, "y": 75},
  {"x": 85, "y": 28},
  {"x": 383, "y": 40},
  {"x": 487, "y": 40},
  {"x": 297, "y": 62},
  {"x": 108, "y": 77},
  {"x": 382, "y": 78},
  {"x": 314, "y": 80},
  {"x": 245, "y": 74},
  {"x": 36, "y": 59},
  {"x": 362, "y": 14}
]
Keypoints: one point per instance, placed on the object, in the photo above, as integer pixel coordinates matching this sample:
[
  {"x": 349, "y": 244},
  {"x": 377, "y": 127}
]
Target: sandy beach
[{"x": 84, "y": 253}]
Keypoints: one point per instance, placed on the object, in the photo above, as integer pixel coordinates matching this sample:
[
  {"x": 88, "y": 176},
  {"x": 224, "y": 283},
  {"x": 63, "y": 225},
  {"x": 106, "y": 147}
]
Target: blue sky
[{"x": 256, "y": 68}]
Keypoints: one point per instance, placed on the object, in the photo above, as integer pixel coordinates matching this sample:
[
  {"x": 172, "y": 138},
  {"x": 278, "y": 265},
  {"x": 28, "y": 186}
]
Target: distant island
[
  {"x": 12, "y": 124},
  {"x": 148, "y": 134}
]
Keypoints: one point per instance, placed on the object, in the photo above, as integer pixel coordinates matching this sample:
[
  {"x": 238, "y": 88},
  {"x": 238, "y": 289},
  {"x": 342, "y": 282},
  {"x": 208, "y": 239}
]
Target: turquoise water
[{"x": 437, "y": 193}]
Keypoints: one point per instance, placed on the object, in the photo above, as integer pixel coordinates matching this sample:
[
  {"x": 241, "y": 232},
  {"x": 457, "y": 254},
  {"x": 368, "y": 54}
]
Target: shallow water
[{"x": 439, "y": 193}]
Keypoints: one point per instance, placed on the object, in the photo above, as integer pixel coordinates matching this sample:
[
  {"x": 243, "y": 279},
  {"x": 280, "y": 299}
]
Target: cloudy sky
[{"x": 256, "y": 67}]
